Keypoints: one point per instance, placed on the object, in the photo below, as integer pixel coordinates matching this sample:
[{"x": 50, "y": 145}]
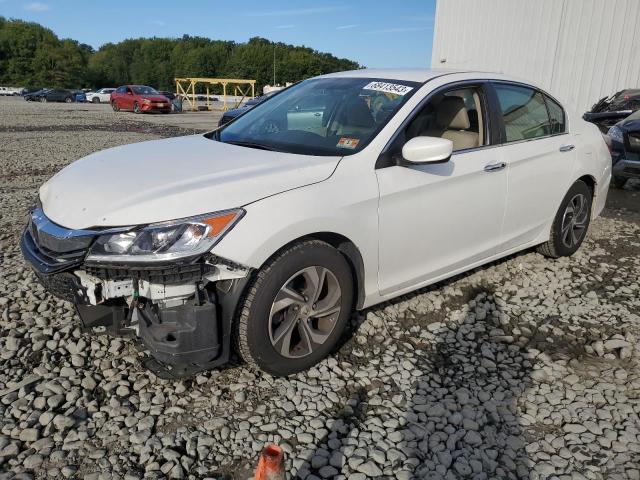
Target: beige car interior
[{"x": 449, "y": 116}]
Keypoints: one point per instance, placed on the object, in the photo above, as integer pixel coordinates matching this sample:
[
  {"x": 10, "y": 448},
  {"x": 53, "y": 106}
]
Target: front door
[{"x": 436, "y": 219}]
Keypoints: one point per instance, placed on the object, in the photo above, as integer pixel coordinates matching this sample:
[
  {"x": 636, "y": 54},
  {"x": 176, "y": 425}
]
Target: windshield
[
  {"x": 323, "y": 116},
  {"x": 141, "y": 90}
]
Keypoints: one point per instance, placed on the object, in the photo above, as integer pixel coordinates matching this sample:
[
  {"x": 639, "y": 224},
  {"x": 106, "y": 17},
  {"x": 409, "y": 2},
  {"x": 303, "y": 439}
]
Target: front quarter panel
[{"x": 344, "y": 204}]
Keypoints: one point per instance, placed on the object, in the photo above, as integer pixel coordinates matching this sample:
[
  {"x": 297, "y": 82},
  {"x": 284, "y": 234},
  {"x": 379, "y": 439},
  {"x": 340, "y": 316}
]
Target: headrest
[
  {"x": 357, "y": 114},
  {"x": 452, "y": 114}
]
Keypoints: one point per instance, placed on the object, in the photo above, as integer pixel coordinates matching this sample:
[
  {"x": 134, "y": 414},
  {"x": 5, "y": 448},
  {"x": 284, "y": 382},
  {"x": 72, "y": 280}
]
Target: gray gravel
[{"x": 526, "y": 368}]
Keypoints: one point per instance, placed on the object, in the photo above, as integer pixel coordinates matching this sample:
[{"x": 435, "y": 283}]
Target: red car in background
[{"x": 139, "y": 99}]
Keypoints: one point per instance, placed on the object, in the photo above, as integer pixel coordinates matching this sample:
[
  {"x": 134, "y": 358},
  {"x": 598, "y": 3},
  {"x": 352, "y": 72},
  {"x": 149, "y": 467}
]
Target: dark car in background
[
  {"x": 624, "y": 143},
  {"x": 252, "y": 102},
  {"x": 34, "y": 94},
  {"x": 610, "y": 110},
  {"x": 58, "y": 95}
]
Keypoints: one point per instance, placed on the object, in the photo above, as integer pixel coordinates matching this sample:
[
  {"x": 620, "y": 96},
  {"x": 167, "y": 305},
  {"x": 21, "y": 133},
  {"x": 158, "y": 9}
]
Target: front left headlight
[{"x": 165, "y": 241}]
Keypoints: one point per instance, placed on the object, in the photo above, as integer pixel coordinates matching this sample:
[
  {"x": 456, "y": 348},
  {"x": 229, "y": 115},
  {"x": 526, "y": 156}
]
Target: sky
[{"x": 375, "y": 34}]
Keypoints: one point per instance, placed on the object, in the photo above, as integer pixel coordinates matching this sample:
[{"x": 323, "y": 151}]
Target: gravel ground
[{"x": 526, "y": 368}]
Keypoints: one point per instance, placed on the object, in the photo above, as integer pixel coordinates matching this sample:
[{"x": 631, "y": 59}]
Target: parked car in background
[
  {"x": 100, "y": 96},
  {"x": 624, "y": 143},
  {"x": 79, "y": 96},
  {"x": 610, "y": 110},
  {"x": 342, "y": 192},
  {"x": 35, "y": 95},
  {"x": 233, "y": 113},
  {"x": 5, "y": 91},
  {"x": 58, "y": 95},
  {"x": 139, "y": 99}
]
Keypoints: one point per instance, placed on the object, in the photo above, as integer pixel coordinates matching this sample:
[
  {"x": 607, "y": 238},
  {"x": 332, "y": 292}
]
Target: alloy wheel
[
  {"x": 574, "y": 221},
  {"x": 304, "y": 312}
]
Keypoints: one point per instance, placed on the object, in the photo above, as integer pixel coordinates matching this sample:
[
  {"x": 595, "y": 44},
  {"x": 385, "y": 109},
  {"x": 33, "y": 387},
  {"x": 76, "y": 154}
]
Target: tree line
[{"x": 33, "y": 56}]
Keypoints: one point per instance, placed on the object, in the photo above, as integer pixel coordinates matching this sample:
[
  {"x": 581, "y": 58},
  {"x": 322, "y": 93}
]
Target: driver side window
[{"x": 456, "y": 115}]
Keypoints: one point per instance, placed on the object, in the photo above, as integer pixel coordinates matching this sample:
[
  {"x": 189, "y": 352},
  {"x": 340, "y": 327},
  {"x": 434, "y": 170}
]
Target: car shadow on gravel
[{"x": 456, "y": 414}]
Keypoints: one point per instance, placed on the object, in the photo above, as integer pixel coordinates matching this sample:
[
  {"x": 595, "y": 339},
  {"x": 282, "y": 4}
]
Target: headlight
[
  {"x": 165, "y": 241},
  {"x": 146, "y": 100},
  {"x": 615, "y": 134}
]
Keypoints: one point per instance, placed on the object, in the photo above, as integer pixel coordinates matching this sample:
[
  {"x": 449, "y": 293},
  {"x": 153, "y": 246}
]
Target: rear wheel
[
  {"x": 114, "y": 106},
  {"x": 95, "y": 100},
  {"x": 619, "y": 182},
  {"x": 296, "y": 309},
  {"x": 570, "y": 223},
  {"x": 68, "y": 100},
  {"x": 136, "y": 107}
]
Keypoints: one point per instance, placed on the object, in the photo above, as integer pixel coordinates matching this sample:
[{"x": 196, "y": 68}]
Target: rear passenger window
[
  {"x": 524, "y": 112},
  {"x": 556, "y": 114}
]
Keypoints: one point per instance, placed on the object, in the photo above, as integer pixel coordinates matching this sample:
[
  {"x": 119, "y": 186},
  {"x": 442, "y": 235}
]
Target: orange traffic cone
[{"x": 271, "y": 464}]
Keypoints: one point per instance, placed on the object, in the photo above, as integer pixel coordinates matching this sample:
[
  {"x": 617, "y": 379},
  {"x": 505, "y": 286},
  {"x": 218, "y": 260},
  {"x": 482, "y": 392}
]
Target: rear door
[{"x": 539, "y": 153}]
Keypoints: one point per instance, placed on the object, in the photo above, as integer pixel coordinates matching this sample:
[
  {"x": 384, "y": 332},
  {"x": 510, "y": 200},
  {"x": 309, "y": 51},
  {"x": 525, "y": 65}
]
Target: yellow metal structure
[{"x": 186, "y": 87}]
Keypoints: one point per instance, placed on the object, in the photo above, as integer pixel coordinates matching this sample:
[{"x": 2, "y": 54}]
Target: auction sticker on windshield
[{"x": 388, "y": 88}]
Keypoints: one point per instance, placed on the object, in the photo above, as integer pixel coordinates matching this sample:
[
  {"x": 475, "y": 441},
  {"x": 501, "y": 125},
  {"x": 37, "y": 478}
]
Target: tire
[
  {"x": 136, "y": 107},
  {"x": 95, "y": 100},
  {"x": 68, "y": 100},
  {"x": 619, "y": 182},
  {"x": 114, "y": 106},
  {"x": 289, "y": 275},
  {"x": 569, "y": 229},
  {"x": 43, "y": 99}
]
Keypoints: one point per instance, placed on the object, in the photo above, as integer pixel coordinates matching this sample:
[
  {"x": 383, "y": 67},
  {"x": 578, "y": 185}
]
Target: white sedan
[
  {"x": 101, "y": 96},
  {"x": 338, "y": 193}
]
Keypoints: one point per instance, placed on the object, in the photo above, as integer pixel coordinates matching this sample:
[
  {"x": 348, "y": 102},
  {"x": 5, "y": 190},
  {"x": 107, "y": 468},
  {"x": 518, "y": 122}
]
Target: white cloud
[
  {"x": 283, "y": 27},
  {"x": 396, "y": 30},
  {"x": 347, "y": 27},
  {"x": 297, "y": 11},
  {"x": 36, "y": 7}
]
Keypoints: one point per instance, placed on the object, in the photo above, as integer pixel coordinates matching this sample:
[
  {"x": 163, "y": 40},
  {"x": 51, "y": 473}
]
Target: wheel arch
[{"x": 347, "y": 248}]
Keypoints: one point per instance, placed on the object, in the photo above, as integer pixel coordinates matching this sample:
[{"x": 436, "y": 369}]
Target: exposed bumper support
[{"x": 183, "y": 315}]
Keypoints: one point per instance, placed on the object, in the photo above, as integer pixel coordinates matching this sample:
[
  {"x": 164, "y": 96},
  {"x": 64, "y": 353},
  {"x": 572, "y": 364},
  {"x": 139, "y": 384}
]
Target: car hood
[
  {"x": 173, "y": 178},
  {"x": 154, "y": 98}
]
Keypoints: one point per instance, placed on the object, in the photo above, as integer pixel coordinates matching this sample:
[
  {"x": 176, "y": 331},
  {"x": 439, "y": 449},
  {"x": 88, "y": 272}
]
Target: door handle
[
  {"x": 494, "y": 167},
  {"x": 567, "y": 148}
]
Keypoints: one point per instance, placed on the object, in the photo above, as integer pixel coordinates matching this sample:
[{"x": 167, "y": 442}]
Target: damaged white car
[{"x": 336, "y": 194}]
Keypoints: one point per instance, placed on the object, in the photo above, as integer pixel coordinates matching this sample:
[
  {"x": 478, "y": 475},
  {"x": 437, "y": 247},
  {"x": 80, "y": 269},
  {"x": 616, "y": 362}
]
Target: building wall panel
[{"x": 580, "y": 50}]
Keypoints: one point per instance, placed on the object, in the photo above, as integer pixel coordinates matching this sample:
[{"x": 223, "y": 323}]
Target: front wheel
[
  {"x": 43, "y": 99},
  {"x": 68, "y": 100},
  {"x": 570, "y": 223},
  {"x": 296, "y": 309},
  {"x": 95, "y": 100},
  {"x": 114, "y": 106},
  {"x": 136, "y": 107}
]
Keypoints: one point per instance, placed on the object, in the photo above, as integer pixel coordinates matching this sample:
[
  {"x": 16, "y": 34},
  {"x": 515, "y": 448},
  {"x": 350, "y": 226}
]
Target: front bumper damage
[{"x": 181, "y": 314}]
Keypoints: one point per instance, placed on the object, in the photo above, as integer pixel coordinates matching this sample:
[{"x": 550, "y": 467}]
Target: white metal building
[{"x": 579, "y": 50}]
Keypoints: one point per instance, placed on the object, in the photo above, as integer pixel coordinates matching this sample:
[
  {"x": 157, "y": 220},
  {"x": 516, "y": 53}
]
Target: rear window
[
  {"x": 556, "y": 116},
  {"x": 524, "y": 112}
]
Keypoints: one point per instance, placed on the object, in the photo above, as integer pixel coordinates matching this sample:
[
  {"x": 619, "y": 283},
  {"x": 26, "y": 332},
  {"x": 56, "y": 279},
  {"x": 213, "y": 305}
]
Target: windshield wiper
[{"x": 259, "y": 146}]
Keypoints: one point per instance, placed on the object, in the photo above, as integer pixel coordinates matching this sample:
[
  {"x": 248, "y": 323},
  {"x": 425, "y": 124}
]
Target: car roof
[{"x": 422, "y": 75}]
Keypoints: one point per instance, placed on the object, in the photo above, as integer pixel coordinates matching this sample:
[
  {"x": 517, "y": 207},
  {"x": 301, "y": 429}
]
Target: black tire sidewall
[
  {"x": 258, "y": 340},
  {"x": 556, "y": 233},
  {"x": 114, "y": 106},
  {"x": 136, "y": 107}
]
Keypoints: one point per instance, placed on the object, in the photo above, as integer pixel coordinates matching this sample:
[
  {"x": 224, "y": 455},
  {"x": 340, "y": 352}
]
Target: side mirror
[{"x": 421, "y": 150}]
